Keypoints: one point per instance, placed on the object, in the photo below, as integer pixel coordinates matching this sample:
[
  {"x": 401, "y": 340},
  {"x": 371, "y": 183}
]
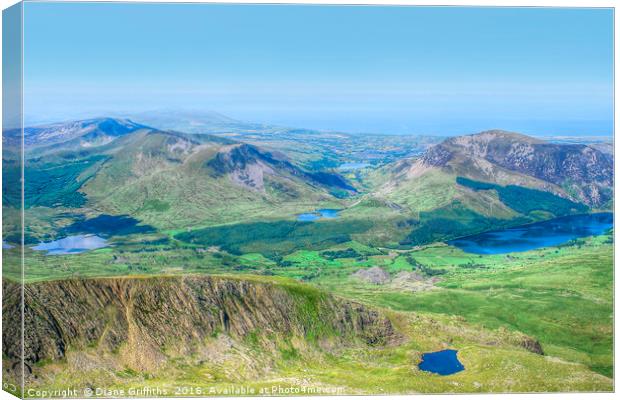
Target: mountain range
[{"x": 170, "y": 179}]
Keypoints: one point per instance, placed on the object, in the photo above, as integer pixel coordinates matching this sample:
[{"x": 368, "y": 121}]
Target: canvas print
[{"x": 257, "y": 200}]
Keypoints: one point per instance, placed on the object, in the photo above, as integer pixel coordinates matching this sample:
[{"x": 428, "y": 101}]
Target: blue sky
[{"x": 371, "y": 69}]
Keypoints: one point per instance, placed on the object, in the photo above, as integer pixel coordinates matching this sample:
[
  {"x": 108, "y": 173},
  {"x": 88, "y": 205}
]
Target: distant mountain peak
[
  {"x": 116, "y": 125},
  {"x": 91, "y": 130},
  {"x": 497, "y": 134},
  {"x": 481, "y": 145}
]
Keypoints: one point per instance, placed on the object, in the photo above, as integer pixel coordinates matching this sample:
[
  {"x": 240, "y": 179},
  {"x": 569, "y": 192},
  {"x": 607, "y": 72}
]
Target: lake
[
  {"x": 444, "y": 362},
  {"x": 327, "y": 213},
  {"x": 351, "y": 166},
  {"x": 72, "y": 245},
  {"x": 537, "y": 235},
  {"x": 89, "y": 234}
]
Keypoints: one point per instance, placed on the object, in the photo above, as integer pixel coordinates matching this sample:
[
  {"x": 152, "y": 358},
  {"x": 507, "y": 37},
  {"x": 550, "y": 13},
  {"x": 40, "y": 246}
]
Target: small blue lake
[
  {"x": 6, "y": 246},
  {"x": 324, "y": 213},
  {"x": 537, "y": 235},
  {"x": 444, "y": 362},
  {"x": 351, "y": 166},
  {"x": 72, "y": 245},
  {"x": 89, "y": 234}
]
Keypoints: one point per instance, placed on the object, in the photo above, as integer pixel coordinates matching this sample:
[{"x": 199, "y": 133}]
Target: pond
[
  {"x": 444, "y": 362},
  {"x": 72, "y": 245},
  {"x": 537, "y": 235},
  {"x": 6, "y": 246},
  {"x": 327, "y": 213},
  {"x": 351, "y": 166},
  {"x": 90, "y": 233}
]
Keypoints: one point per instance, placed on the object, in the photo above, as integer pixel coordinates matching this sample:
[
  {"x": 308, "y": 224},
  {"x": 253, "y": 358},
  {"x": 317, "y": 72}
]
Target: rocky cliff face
[
  {"x": 139, "y": 318},
  {"x": 584, "y": 171},
  {"x": 247, "y": 166}
]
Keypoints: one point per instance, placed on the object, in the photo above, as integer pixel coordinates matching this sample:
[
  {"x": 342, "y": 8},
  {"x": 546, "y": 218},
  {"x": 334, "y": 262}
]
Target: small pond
[
  {"x": 444, "y": 362},
  {"x": 89, "y": 234},
  {"x": 6, "y": 246},
  {"x": 72, "y": 245},
  {"x": 351, "y": 166},
  {"x": 537, "y": 235},
  {"x": 327, "y": 213}
]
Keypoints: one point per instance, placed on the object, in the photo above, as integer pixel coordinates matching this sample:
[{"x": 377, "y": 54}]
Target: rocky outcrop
[
  {"x": 374, "y": 275},
  {"x": 142, "y": 317},
  {"x": 247, "y": 166},
  {"x": 437, "y": 156},
  {"x": 531, "y": 344}
]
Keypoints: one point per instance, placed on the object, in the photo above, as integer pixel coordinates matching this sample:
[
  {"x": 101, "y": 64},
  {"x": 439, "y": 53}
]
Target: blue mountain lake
[
  {"x": 328, "y": 213},
  {"x": 351, "y": 166},
  {"x": 537, "y": 235},
  {"x": 89, "y": 234},
  {"x": 72, "y": 245},
  {"x": 444, "y": 362}
]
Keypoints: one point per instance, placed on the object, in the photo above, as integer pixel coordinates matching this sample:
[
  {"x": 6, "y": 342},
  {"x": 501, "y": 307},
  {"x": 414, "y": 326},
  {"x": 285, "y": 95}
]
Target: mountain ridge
[
  {"x": 577, "y": 171},
  {"x": 87, "y": 132},
  {"x": 131, "y": 315}
]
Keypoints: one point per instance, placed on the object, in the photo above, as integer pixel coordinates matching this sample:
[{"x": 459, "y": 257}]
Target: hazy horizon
[
  {"x": 397, "y": 70},
  {"x": 134, "y": 116}
]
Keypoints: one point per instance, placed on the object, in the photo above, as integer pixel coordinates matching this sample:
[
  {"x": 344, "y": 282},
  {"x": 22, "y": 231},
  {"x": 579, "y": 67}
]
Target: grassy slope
[
  {"x": 430, "y": 188},
  {"x": 187, "y": 192},
  {"x": 492, "y": 359},
  {"x": 161, "y": 179},
  {"x": 563, "y": 297},
  {"x": 428, "y": 191},
  {"x": 422, "y": 188},
  {"x": 489, "y": 368}
]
